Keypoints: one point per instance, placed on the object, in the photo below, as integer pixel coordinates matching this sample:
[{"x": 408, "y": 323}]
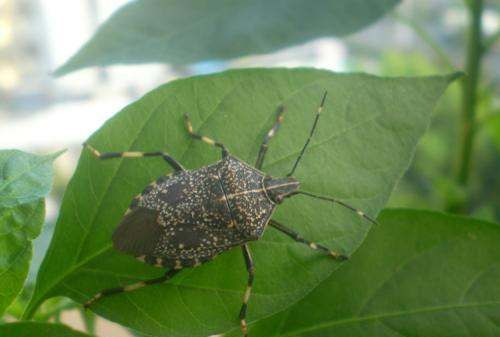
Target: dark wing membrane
[{"x": 138, "y": 233}]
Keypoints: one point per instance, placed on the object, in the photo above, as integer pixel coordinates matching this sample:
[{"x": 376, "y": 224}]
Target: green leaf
[
  {"x": 18, "y": 226},
  {"x": 24, "y": 180},
  {"x": 188, "y": 31},
  {"x": 419, "y": 273},
  {"x": 36, "y": 329},
  {"x": 48, "y": 310},
  {"x": 364, "y": 142},
  {"x": 24, "y": 177}
]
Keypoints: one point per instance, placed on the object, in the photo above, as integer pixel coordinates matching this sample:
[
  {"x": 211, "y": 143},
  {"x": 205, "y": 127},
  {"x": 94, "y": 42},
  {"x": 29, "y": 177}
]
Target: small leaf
[
  {"x": 364, "y": 142},
  {"x": 18, "y": 226},
  {"x": 24, "y": 180},
  {"x": 24, "y": 177},
  {"x": 36, "y": 329},
  {"x": 48, "y": 310},
  {"x": 419, "y": 273},
  {"x": 188, "y": 31}
]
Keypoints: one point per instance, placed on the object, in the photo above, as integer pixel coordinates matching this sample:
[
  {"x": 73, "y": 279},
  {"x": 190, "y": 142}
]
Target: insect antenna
[
  {"x": 317, "y": 196},
  {"x": 320, "y": 108}
]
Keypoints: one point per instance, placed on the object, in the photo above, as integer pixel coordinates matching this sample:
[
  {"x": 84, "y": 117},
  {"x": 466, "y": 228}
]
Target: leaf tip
[
  {"x": 456, "y": 75},
  {"x": 60, "y": 71},
  {"x": 58, "y": 153}
]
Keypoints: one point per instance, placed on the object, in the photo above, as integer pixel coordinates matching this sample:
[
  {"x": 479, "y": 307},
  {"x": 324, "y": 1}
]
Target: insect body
[{"x": 189, "y": 217}]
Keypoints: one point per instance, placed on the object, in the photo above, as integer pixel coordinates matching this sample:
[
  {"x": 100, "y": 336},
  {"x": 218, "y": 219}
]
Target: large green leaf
[
  {"x": 24, "y": 177},
  {"x": 35, "y": 329},
  {"x": 420, "y": 273},
  {"x": 18, "y": 226},
  {"x": 365, "y": 139},
  {"x": 187, "y": 31}
]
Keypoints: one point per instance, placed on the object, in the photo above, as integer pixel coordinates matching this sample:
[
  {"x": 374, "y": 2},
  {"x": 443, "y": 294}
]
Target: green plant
[
  {"x": 421, "y": 272},
  {"x": 479, "y": 116}
]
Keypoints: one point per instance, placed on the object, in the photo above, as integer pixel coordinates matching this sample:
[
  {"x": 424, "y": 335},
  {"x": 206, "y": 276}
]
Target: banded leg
[
  {"x": 134, "y": 154},
  {"x": 248, "y": 290},
  {"x": 268, "y": 136},
  {"x": 316, "y": 246},
  {"x": 210, "y": 141},
  {"x": 112, "y": 291}
]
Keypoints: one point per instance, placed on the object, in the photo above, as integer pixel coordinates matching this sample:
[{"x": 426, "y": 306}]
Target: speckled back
[
  {"x": 183, "y": 220},
  {"x": 187, "y": 218},
  {"x": 250, "y": 207}
]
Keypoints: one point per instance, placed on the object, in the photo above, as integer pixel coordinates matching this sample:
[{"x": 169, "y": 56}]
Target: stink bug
[{"x": 189, "y": 217}]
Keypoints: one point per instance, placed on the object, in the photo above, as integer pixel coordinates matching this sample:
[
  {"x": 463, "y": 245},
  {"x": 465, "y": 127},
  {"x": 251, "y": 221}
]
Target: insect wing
[{"x": 138, "y": 232}]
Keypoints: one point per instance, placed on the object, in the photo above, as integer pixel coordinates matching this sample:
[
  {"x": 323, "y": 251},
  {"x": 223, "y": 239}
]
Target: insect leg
[
  {"x": 296, "y": 236},
  {"x": 248, "y": 290},
  {"x": 111, "y": 291},
  {"x": 210, "y": 141},
  {"x": 268, "y": 136},
  {"x": 134, "y": 154}
]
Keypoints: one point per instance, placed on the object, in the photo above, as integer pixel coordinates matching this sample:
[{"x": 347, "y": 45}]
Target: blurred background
[{"x": 40, "y": 113}]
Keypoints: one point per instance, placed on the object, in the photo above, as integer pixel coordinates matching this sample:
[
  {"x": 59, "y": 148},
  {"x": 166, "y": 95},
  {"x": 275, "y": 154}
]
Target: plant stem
[{"x": 469, "y": 95}]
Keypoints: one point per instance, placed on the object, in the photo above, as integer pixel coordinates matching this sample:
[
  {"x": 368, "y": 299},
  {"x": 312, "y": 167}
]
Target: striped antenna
[
  {"x": 360, "y": 213},
  {"x": 320, "y": 108}
]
